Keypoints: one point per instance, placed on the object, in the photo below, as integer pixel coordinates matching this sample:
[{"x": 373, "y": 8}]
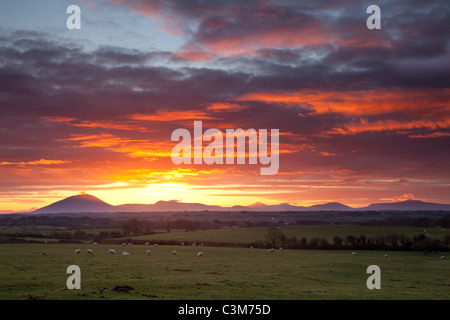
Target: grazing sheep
[
  {"x": 174, "y": 252},
  {"x": 112, "y": 251},
  {"x": 280, "y": 248},
  {"x": 89, "y": 251},
  {"x": 124, "y": 244},
  {"x": 385, "y": 255},
  {"x": 200, "y": 254},
  {"x": 147, "y": 243},
  {"x": 95, "y": 243},
  {"x": 353, "y": 253},
  {"x": 251, "y": 247},
  {"x": 442, "y": 257},
  {"x": 193, "y": 244},
  {"x": 148, "y": 252},
  {"x": 155, "y": 244},
  {"x": 78, "y": 251},
  {"x": 182, "y": 243},
  {"x": 271, "y": 250},
  {"x": 125, "y": 253}
]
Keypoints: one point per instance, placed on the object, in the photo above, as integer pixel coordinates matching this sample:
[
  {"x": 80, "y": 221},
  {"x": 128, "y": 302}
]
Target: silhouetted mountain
[
  {"x": 85, "y": 203},
  {"x": 171, "y": 205},
  {"x": 277, "y": 207},
  {"x": 80, "y": 203},
  {"x": 408, "y": 205},
  {"x": 331, "y": 206}
]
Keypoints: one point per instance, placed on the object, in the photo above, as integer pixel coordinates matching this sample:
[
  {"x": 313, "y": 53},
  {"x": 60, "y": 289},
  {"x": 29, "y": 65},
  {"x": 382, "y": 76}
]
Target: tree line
[{"x": 421, "y": 242}]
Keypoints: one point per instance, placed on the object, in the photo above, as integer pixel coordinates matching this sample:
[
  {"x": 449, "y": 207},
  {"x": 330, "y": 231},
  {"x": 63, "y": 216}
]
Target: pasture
[
  {"x": 249, "y": 235},
  {"x": 38, "y": 271}
]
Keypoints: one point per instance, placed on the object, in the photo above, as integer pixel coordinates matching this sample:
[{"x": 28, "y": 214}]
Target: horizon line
[{"x": 224, "y": 207}]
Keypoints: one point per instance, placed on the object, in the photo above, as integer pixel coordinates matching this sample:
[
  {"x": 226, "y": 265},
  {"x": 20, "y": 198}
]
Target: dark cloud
[{"x": 312, "y": 62}]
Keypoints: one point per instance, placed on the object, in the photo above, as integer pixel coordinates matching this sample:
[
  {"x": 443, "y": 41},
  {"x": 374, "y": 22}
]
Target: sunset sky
[{"x": 363, "y": 115}]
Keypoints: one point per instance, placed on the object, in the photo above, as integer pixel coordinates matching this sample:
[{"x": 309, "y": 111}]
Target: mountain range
[{"x": 85, "y": 203}]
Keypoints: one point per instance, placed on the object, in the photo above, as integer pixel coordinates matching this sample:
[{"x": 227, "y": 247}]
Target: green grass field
[
  {"x": 248, "y": 235},
  {"x": 38, "y": 271}
]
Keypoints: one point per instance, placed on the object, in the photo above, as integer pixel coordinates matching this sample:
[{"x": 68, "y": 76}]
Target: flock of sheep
[
  {"x": 148, "y": 252},
  {"x": 354, "y": 254},
  {"x": 199, "y": 254},
  {"x": 124, "y": 253}
]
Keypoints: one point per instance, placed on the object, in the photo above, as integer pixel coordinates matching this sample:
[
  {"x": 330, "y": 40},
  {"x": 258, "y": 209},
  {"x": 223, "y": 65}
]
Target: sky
[{"x": 363, "y": 115}]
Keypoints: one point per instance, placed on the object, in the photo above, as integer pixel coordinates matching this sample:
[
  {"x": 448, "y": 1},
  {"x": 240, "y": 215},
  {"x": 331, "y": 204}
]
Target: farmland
[
  {"x": 250, "y": 235},
  {"x": 38, "y": 271},
  {"x": 34, "y": 259}
]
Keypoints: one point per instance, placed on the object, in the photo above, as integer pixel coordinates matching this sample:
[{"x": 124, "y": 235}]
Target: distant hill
[
  {"x": 85, "y": 203},
  {"x": 331, "y": 206},
  {"x": 171, "y": 205},
  {"x": 408, "y": 205},
  {"x": 277, "y": 207},
  {"x": 80, "y": 203}
]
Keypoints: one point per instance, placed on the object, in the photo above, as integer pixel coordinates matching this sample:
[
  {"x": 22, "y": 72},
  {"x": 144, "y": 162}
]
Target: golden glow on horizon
[{"x": 128, "y": 160}]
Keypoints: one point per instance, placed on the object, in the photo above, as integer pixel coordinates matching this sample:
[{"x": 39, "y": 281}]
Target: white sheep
[
  {"x": 353, "y": 253},
  {"x": 193, "y": 244},
  {"x": 112, "y": 251},
  {"x": 78, "y": 251},
  {"x": 147, "y": 243},
  {"x": 148, "y": 252},
  {"x": 174, "y": 252},
  {"x": 124, "y": 244},
  {"x": 95, "y": 243},
  {"x": 442, "y": 257},
  {"x": 125, "y": 253},
  {"x": 200, "y": 254},
  {"x": 271, "y": 250},
  {"x": 155, "y": 244},
  {"x": 89, "y": 251},
  {"x": 182, "y": 243},
  {"x": 385, "y": 255}
]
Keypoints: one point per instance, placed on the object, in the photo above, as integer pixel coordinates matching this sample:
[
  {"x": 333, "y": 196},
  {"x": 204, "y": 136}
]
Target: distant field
[
  {"x": 36, "y": 229},
  {"x": 46, "y": 230},
  {"x": 38, "y": 271},
  {"x": 248, "y": 235}
]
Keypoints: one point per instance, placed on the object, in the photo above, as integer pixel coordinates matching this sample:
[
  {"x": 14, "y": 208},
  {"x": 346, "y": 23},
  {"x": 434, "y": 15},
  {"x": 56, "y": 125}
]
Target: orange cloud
[
  {"x": 58, "y": 119},
  {"x": 178, "y": 175},
  {"x": 393, "y": 125},
  {"x": 406, "y": 196},
  {"x": 111, "y": 125},
  {"x": 224, "y": 106},
  {"x": 438, "y": 134},
  {"x": 363, "y": 102},
  {"x": 34, "y": 163},
  {"x": 97, "y": 124},
  {"x": 327, "y": 154},
  {"x": 134, "y": 148}
]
